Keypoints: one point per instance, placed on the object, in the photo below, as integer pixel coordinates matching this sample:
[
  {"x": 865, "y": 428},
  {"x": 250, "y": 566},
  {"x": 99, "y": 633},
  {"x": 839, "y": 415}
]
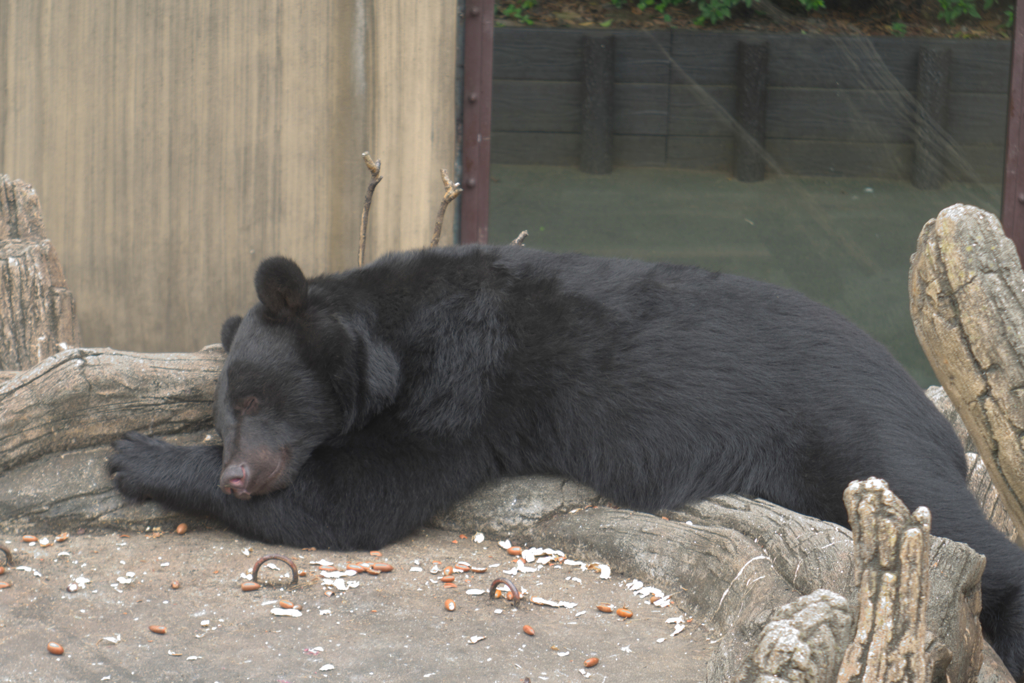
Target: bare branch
[
  {"x": 451, "y": 191},
  {"x": 521, "y": 240},
  {"x": 374, "y": 168}
]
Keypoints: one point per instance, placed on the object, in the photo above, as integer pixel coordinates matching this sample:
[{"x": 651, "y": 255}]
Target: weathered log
[
  {"x": 728, "y": 561},
  {"x": 967, "y": 303},
  {"x": 893, "y": 579},
  {"x": 86, "y": 397},
  {"x": 978, "y": 479},
  {"x": 805, "y": 640},
  {"x": 37, "y": 312}
]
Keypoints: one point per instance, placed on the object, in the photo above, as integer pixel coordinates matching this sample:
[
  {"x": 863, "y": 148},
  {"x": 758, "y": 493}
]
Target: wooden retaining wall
[
  {"x": 840, "y": 106},
  {"x": 176, "y": 143}
]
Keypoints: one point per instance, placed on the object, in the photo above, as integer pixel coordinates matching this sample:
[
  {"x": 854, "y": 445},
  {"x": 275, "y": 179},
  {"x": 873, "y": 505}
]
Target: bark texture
[
  {"x": 805, "y": 639},
  {"x": 37, "y": 312},
  {"x": 87, "y": 397},
  {"x": 967, "y": 303},
  {"x": 893, "y": 579}
]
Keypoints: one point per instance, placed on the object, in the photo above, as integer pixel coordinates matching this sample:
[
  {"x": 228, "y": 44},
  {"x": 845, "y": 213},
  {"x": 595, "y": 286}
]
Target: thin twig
[
  {"x": 451, "y": 191},
  {"x": 520, "y": 241},
  {"x": 374, "y": 168}
]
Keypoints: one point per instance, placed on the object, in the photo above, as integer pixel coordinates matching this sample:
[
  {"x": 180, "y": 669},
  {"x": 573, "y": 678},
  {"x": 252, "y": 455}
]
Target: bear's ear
[
  {"x": 281, "y": 287},
  {"x": 228, "y": 330}
]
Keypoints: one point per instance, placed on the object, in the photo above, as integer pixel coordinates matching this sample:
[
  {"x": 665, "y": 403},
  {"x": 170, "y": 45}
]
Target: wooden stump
[
  {"x": 892, "y": 575},
  {"x": 37, "y": 312},
  {"x": 967, "y": 303}
]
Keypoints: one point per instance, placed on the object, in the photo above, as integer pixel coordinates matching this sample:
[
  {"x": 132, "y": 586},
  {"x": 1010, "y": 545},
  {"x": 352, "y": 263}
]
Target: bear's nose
[{"x": 233, "y": 481}]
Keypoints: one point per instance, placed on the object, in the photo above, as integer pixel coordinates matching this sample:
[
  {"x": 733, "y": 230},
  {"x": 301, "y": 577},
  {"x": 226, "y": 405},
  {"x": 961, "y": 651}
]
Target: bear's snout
[{"x": 233, "y": 480}]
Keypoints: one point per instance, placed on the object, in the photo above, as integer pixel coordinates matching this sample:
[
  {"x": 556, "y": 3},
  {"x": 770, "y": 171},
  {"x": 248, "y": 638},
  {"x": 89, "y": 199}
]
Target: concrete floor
[{"x": 843, "y": 241}]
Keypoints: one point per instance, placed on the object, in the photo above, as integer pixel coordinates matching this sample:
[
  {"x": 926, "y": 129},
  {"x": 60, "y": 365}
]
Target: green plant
[
  {"x": 518, "y": 11},
  {"x": 714, "y": 11},
  {"x": 711, "y": 11},
  {"x": 951, "y": 10}
]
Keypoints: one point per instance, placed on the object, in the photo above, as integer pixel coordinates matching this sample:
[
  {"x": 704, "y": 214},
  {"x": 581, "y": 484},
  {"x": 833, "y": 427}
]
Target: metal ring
[{"x": 291, "y": 565}]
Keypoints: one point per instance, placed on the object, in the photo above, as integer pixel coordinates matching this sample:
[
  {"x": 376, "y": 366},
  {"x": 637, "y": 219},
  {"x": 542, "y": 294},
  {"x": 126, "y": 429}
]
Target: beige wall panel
[
  {"x": 411, "y": 119},
  {"x": 176, "y": 143}
]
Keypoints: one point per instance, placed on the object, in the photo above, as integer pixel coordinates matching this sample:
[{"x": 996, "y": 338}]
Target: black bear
[{"x": 354, "y": 406}]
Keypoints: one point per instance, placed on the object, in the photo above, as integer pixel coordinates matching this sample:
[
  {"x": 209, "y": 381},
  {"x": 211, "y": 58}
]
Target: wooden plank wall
[
  {"x": 411, "y": 119},
  {"x": 836, "y": 105},
  {"x": 176, "y": 143}
]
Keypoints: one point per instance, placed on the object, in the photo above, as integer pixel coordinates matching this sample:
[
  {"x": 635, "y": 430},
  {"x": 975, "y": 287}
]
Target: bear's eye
[{"x": 248, "y": 405}]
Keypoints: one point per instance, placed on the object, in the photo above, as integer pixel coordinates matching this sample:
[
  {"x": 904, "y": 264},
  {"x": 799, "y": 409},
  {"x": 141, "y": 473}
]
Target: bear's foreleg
[{"x": 357, "y": 496}]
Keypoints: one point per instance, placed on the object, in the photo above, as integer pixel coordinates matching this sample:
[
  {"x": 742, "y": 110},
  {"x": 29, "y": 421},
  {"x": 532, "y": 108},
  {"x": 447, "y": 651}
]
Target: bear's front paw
[{"x": 135, "y": 465}]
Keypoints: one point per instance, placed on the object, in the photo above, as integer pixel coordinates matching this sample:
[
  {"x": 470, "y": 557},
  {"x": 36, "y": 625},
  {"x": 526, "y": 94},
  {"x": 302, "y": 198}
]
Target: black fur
[{"x": 355, "y": 407}]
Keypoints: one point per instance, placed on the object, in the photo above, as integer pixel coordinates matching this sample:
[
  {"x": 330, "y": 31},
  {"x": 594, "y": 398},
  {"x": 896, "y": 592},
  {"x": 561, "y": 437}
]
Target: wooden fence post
[
  {"x": 598, "y": 93},
  {"x": 751, "y": 110},
  {"x": 930, "y": 120}
]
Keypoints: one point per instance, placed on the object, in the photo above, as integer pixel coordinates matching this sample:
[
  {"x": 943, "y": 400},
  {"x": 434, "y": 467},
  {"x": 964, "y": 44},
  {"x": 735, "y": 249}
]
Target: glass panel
[{"x": 837, "y": 215}]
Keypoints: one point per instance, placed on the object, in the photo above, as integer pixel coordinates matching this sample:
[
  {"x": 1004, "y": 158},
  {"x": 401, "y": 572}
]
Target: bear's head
[{"x": 300, "y": 370}]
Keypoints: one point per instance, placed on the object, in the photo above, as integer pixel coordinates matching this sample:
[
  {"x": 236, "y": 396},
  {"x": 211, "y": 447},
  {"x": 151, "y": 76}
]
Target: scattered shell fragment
[
  {"x": 279, "y": 612},
  {"x": 551, "y": 603},
  {"x": 476, "y": 639}
]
